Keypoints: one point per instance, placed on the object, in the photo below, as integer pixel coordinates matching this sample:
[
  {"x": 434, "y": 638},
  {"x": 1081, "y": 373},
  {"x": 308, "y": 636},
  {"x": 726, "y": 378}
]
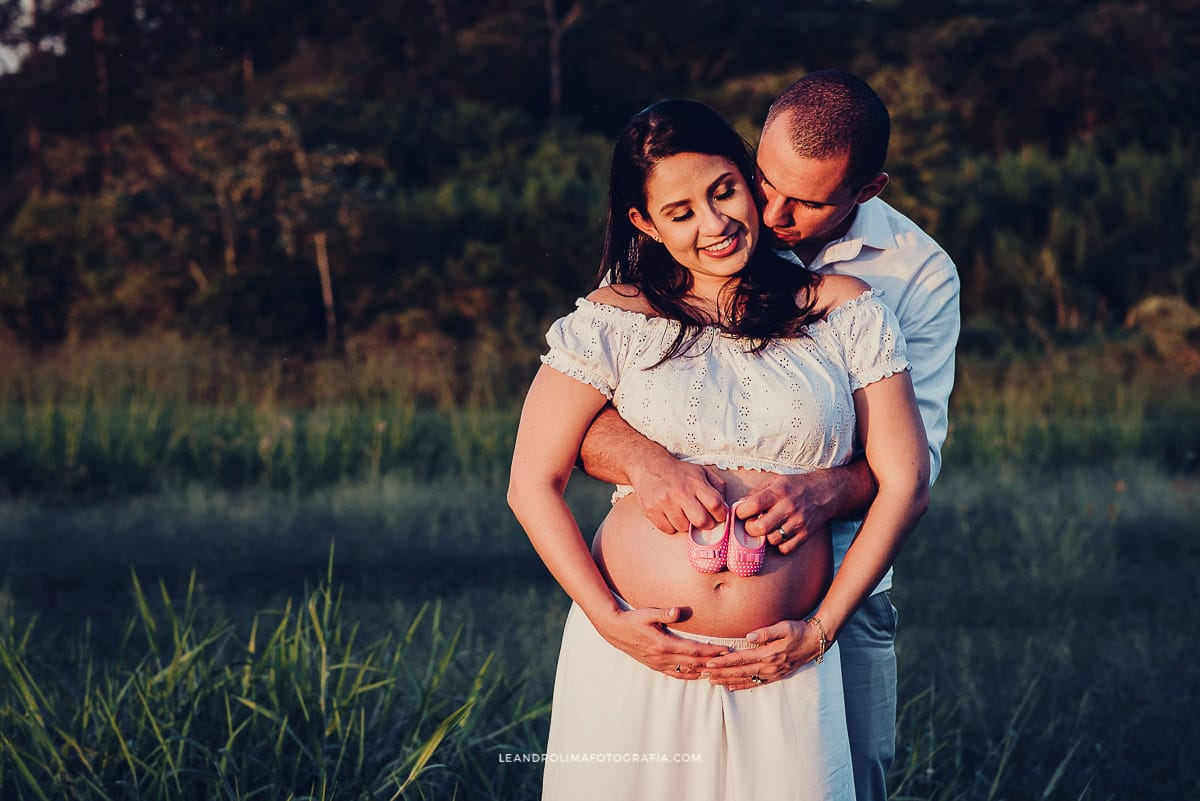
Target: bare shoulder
[
  {"x": 834, "y": 290},
  {"x": 622, "y": 296}
]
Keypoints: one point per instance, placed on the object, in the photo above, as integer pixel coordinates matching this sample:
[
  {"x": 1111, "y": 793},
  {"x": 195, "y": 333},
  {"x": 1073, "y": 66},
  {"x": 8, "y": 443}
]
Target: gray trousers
[{"x": 867, "y": 643}]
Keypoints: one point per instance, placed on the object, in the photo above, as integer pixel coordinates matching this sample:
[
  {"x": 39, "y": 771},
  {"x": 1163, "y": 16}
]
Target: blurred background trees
[{"x": 415, "y": 174}]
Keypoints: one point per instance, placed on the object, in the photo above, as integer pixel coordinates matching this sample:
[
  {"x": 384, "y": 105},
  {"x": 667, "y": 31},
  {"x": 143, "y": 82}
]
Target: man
[{"x": 820, "y": 173}]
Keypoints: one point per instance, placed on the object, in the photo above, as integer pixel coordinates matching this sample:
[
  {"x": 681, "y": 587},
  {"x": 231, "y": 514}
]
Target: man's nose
[{"x": 775, "y": 212}]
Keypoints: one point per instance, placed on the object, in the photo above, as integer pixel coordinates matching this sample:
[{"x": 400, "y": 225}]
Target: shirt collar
[{"x": 870, "y": 228}]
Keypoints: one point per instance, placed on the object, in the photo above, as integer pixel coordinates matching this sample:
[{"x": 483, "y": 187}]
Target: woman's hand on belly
[
  {"x": 782, "y": 649},
  {"x": 639, "y": 634}
]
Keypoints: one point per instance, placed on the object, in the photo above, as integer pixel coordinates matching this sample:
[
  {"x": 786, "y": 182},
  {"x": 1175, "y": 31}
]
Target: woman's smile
[
  {"x": 726, "y": 247},
  {"x": 703, "y": 211}
]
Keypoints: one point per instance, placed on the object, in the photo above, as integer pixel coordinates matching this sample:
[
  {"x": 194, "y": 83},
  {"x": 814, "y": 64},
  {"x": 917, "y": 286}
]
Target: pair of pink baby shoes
[{"x": 726, "y": 545}]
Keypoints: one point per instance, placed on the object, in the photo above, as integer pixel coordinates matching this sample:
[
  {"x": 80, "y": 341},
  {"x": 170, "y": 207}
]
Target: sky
[{"x": 11, "y": 58}]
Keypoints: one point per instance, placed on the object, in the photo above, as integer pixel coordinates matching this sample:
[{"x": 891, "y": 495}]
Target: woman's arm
[
  {"x": 557, "y": 412},
  {"x": 890, "y": 426},
  {"x": 893, "y": 435}
]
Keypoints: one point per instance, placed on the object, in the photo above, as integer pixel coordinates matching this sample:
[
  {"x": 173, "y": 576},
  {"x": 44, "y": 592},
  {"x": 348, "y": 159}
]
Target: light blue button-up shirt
[{"x": 920, "y": 284}]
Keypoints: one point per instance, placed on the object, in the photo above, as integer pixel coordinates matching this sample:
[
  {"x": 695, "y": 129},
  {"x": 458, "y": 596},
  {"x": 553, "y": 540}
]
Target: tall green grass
[
  {"x": 1074, "y": 406},
  {"x": 120, "y": 418},
  {"x": 295, "y": 706},
  {"x": 1045, "y": 647},
  {"x": 1045, "y": 641}
]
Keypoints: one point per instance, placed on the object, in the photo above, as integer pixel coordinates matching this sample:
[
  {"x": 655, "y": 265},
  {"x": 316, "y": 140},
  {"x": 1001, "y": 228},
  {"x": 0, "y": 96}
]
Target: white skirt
[{"x": 619, "y": 730}]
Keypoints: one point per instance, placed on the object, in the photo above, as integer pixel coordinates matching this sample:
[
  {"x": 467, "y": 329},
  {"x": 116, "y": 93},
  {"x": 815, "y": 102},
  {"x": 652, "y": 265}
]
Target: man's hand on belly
[
  {"x": 675, "y": 494},
  {"x": 788, "y": 509}
]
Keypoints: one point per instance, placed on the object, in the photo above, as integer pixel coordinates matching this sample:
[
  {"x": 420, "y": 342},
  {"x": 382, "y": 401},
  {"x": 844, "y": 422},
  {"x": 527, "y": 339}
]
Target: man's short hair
[{"x": 830, "y": 112}]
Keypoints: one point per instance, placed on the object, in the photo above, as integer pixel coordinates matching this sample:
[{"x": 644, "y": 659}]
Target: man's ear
[
  {"x": 642, "y": 224},
  {"x": 872, "y": 188}
]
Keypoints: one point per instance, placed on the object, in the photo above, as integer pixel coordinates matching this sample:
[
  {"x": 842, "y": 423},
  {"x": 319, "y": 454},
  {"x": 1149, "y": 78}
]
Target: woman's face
[{"x": 703, "y": 210}]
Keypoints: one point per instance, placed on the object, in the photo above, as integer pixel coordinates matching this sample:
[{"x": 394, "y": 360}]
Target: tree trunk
[
  {"x": 103, "y": 126},
  {"x": 198, "y": 275},
  {"x": 227, "y": 233},
  {"x": 319, "y": 238},
  {"x": 326, "y": 288},
  {"x": 557, "y": 27},
  {"x": 37, "y": 172}
]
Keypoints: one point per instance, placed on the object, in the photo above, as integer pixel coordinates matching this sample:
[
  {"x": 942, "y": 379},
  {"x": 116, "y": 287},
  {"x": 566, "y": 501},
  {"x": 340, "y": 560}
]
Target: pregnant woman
[{"x": 731, "y": 358}]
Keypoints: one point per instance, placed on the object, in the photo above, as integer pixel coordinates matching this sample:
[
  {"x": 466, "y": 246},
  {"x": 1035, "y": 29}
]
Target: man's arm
[{"x": 672, "y": 494}]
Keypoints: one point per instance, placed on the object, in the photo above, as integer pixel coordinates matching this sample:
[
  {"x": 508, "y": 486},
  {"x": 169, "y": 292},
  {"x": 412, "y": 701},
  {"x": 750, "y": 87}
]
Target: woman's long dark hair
[{"x": 764, "y": 306}]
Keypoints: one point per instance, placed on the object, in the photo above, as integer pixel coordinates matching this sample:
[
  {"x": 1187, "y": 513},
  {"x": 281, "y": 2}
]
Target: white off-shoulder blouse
[{"x": 786, "y": 409}]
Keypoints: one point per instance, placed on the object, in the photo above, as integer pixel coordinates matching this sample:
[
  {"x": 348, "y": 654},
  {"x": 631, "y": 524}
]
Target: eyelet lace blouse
[{"x": 786, "y": 409}]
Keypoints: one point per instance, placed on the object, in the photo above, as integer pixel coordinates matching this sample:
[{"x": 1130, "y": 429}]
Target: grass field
[{"x": 173, "y": 628}]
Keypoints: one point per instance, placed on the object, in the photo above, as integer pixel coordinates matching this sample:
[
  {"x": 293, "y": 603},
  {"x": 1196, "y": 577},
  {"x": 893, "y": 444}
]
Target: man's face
[{"x": 805, "y": 202}]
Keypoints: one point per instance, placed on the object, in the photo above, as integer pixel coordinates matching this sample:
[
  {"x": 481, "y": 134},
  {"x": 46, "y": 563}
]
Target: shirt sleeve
[
  {"x": 587, "y": 347},
  {"x": 871, "y": 340},
  {"x": 930, "y": 320}
]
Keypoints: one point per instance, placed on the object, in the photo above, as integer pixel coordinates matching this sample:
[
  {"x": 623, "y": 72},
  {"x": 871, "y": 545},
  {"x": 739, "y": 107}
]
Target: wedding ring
[
  {"x": 783, "y": 532},
  {"x": 678, "y": 668},
  {"x": 756, "y": 679}
]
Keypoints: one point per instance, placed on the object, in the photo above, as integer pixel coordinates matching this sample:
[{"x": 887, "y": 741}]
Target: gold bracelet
[{"x": 824, "y": 640}]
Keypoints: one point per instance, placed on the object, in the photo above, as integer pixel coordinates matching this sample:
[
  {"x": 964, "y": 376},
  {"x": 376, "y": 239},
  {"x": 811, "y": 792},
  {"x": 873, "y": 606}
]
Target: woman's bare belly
[{"x": 649, "y": 568}]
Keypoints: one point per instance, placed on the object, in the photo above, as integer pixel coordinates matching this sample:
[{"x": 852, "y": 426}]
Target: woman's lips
[{"x": 723, "y": 248}]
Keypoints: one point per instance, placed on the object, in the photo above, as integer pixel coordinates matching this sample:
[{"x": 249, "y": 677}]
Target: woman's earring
[{"x": 656, "y": 238}]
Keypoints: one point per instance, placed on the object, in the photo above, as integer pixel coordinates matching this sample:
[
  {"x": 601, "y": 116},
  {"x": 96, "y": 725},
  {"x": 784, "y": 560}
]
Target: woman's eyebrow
[{"x": 675, "y": 203}]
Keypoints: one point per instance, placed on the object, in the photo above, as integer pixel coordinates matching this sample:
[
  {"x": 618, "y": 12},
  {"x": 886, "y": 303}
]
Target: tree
[{"x": 557, "y": 26}]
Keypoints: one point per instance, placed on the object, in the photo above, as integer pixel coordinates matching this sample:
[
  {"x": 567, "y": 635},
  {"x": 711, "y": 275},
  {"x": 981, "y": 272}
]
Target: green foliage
[
  {"x": 1046, "y": 75},
  {"x": 47, "y": 249},
  {"x": 1059, "y": 245},
  {"x": 202, "y": 181}
]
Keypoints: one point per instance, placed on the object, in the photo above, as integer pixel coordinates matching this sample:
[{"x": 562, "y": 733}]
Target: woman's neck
[{"x": 712, "y": 296}]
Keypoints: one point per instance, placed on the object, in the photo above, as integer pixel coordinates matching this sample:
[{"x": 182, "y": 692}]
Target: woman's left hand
[{"x": 782, "y": 649}]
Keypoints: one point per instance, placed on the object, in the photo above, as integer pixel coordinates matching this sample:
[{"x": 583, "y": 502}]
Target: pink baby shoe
[
  {"x": 707, "y": 547},
  {"x": 745, "y": 553}
]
